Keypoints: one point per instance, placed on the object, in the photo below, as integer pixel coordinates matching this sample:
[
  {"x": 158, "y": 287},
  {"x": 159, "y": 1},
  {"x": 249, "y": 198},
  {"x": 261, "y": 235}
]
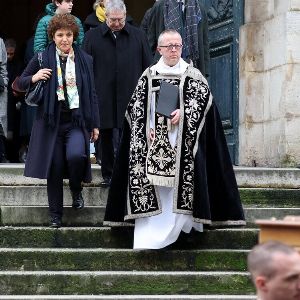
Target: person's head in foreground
[
  {"x": 275, "y": 271},
  {"x": 170, "y": 46}
]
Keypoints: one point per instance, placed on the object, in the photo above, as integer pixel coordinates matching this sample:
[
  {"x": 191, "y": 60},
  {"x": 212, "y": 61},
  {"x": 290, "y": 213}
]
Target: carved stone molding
[{"x": 219, "y": 10}]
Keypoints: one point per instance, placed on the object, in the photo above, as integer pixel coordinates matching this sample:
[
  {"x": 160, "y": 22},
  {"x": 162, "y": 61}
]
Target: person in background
[
  {"x": 145, "y": 21},
  {"x": 41, "y": 39},
  {"x": 3, "y": 100},
  {"x": 173, "y": 173},
  {"x": 189, "y": 18},
  {"x": 98, "y": 16},
  {"x": 120, "y": 53},
  {"x": 275, "y": 271},
  {"x": 67, "y": 117},
  {"x": 14, "y": 69}
]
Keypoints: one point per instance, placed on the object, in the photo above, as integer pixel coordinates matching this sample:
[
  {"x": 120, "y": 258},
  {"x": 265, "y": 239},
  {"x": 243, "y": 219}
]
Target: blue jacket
[{"x": 41, "y": 39}]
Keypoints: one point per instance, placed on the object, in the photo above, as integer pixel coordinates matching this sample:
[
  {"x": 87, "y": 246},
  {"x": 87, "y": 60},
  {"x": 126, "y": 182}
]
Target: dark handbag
[
  {"x": 16, "y": 89},
  {"x": 34, "y": 93}
]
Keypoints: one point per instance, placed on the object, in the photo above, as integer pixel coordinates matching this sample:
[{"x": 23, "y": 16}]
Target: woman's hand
[
  {"x": 94, "y": 135},
  {"x": 42, "y": 74},
  {"x": 175, "y": 116}
]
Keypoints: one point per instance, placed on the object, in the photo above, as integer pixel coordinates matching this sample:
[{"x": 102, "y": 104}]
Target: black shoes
[
  {"x": 78, "y": 202},
  {"x": 105, "y": 183},
  {"x": 55, "y": 222}
]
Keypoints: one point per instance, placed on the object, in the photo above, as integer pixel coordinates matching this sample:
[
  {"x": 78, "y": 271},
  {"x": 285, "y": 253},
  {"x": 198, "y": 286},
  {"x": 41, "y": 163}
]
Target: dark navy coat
[
  {"x": 118, "y": 64},
  {"x": 43, "y": 137}
]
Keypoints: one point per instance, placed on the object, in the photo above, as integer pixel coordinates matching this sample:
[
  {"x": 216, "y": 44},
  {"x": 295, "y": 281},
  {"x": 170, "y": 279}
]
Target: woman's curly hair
[{"x": 63, "y": 21}]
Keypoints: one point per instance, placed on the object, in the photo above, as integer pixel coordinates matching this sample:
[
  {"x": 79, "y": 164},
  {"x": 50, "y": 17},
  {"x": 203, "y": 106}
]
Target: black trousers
[
  {"x": 69, "y": 154},
  {"x": 109, "y": 144}
]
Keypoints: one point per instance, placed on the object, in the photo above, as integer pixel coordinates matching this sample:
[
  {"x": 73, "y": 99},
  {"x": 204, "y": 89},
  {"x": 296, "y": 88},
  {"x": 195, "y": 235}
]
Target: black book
[{"x": 168, "y": 99}]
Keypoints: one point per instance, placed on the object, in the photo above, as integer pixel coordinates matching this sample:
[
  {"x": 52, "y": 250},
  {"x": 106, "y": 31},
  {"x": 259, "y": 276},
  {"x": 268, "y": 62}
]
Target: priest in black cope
[{"x": 172, "y": 174}]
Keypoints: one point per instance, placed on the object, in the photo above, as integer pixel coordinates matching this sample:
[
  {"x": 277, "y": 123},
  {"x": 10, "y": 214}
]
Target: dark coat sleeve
[
  {"x": 147, "y": 57},
  {"x": 156, "y": 25},
  {"x": 95, "y": 102},
  {"x": 25, "y": 78}
]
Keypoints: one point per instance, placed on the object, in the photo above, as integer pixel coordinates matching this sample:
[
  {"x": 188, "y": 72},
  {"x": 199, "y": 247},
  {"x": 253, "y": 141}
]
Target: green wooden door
[{"x": 225, "y": 18}]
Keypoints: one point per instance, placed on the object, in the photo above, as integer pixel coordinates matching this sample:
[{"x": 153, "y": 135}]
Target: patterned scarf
[
  {"x": 70, "y": 77},
  {"x": 187, "y": 27},
  {"x": 100, "y": 13}
]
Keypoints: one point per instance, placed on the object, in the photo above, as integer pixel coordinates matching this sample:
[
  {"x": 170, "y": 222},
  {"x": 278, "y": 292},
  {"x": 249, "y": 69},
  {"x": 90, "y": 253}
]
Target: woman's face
[{"x": 63, "y": 39}]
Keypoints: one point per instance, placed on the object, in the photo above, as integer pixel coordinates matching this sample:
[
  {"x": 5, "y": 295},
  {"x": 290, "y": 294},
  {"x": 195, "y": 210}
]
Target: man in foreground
[
  {"x": 275, "y": 271},
  {"x": 172, "y": 173}
]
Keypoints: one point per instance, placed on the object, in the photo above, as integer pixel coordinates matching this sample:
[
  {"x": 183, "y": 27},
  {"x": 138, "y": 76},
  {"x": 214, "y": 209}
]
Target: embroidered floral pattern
[
  {"x": 161, "y": 156},
  {"x": 141, "y": 193},
  {"x": 196, "y": 99}
]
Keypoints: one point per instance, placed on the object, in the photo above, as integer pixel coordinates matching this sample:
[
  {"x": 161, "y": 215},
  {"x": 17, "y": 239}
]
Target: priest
[{"x": 172, "y": 173}]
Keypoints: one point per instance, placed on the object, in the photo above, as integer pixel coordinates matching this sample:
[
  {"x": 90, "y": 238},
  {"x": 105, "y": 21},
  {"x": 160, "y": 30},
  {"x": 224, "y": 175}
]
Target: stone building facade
[{"x": 269, "y": 98}]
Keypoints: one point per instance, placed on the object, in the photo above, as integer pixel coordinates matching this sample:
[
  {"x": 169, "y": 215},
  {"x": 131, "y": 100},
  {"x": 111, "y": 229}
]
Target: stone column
[{"x": 269, "y": 106}]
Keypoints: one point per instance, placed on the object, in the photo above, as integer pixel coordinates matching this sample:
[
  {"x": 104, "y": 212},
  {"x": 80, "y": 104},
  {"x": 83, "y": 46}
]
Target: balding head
[{"x": 275, "y": 271}]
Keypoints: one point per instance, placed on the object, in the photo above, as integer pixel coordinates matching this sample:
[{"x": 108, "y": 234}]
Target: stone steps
[
  {"x": 95, "y": 196},
  {"x": 85, "y": 258},
  {"x": 93, "y": 215},
  {"x": 131, "y": 297},
  {"x": 78, "y": 259},
  {"x": 124, "y": 283},
  {"x": 120, "y": 238},
  {"x": 247, "y": 177}
]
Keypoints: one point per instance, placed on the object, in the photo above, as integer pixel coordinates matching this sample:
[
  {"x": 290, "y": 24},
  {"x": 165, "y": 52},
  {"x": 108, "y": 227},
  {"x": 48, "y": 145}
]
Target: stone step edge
[
  {"x": 121, "y": 273},
  {"x": 131, "y": 297},
  {"x": 111, "y": 250},
  {"x": 94, "y": 228}
]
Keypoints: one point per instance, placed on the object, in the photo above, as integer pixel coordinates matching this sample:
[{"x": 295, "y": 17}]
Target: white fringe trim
[{"x": 161, "y": 181}]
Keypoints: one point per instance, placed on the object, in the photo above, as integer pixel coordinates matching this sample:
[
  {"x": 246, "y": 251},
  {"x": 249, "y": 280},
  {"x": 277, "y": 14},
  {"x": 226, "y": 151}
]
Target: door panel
[{"x": 225, "y": 18}]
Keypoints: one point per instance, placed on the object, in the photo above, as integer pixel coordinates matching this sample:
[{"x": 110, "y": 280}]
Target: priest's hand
[
  {"x": 175, "y": 116},
  {"x": 152, "y": 134}
]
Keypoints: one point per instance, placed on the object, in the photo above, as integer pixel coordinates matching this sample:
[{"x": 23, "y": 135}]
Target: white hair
[{"x": 115, "y": 5}]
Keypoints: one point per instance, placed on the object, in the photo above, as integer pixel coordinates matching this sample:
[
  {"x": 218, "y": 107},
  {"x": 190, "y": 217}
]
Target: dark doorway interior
[{"x": 17, "y": 17}]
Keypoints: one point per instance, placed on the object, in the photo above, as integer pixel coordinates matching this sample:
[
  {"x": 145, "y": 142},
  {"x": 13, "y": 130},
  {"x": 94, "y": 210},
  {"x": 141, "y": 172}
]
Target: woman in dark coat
[{"x": 67, "y": 117}]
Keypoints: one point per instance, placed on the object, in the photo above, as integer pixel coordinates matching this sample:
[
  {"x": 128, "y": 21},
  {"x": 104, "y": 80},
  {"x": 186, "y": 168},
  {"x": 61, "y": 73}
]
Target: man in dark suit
[{"x": 121, "y": 53}]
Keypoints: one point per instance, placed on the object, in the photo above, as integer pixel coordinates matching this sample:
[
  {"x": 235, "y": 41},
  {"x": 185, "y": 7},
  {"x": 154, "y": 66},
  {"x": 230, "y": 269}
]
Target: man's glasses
[{"x": 171, "y": 47}]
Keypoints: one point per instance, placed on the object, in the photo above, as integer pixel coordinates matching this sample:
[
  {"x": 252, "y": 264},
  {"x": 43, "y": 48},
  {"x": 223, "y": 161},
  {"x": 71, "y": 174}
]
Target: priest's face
[{"x": 170, "y": 48}]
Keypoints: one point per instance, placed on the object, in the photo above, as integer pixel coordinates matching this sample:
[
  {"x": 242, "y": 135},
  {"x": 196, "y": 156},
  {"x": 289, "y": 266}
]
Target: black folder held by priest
[{"x": 168, "y": 99}]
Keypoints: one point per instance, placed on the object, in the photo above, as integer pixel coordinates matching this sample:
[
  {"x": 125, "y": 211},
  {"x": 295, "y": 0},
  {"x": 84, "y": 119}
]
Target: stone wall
[{"x": 269, "y": 107}]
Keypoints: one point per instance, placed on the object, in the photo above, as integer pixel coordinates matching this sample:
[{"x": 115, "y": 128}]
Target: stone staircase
[{"x": 84, "y": 260}]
